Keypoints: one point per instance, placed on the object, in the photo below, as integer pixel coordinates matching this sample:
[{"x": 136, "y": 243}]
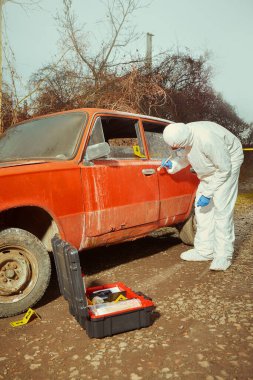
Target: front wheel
[
  {"x": 187, "y": 231},
  {"x": 25, "y": 271}
]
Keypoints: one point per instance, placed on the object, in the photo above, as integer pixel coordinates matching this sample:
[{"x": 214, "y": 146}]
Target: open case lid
[{"x": 70, "y": 278}]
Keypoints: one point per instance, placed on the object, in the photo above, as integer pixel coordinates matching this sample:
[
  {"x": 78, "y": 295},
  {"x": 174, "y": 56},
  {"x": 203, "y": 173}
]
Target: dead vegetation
[{"x": 92, "y": 73}]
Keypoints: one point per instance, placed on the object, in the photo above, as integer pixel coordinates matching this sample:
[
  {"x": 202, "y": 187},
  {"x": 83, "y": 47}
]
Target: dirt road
[{"x": 202, "y": 330}]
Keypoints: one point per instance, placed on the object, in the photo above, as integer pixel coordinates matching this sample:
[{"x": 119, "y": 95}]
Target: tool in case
[{"x": 129, "y": 311}]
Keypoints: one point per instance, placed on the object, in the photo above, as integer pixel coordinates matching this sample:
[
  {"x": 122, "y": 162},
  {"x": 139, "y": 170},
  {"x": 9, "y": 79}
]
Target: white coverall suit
[{"x": 216, "y": 155}]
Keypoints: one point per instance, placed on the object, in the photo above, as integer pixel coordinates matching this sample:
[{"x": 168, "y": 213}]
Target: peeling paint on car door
[{"x": 119, "y": 195}]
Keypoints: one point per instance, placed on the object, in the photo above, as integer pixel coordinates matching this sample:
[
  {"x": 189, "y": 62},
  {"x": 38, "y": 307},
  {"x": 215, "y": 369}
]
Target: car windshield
[{"x": 54, "y": 137}]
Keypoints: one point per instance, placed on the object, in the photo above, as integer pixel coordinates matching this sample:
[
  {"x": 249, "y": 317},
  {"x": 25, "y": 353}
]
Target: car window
[
  {"x": 53, "y": 137},
  {"x": 122, "y": 135},
  {"x": 157, "y": 147}
]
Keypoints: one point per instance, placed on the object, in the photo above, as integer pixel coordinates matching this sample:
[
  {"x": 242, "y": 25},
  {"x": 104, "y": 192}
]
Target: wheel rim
[{"x": 18, "y": 273}]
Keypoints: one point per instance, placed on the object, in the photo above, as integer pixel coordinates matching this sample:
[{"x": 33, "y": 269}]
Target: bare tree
[
  {"x": 24, "y": 4},
  {"x": 121, "y": 33},
  {"x": 181, "y": 71},
  {"x": 60, "y": 87}
]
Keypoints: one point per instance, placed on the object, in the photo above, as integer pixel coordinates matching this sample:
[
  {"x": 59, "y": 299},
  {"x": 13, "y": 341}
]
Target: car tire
[
  {"x": 25, "y": 271},
  {"x": 187, "y": 231}
]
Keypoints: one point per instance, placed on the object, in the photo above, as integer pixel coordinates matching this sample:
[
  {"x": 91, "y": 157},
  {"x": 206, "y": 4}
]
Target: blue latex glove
[
  {"x": 203, "y": 201},
  {"x": 167, "y": 164}
]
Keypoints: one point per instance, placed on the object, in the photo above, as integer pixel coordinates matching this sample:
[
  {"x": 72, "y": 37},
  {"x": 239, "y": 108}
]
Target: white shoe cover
[
  {"x": 220, "y": 263},
  {"x": 193, "y": 255}
]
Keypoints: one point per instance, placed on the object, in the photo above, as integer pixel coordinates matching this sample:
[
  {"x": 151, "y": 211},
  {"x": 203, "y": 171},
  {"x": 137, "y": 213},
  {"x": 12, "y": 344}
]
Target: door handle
[{"x": 148, "y": 172}]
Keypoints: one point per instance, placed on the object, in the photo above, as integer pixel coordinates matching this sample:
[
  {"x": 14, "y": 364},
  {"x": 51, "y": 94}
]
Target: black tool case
[{"x": 72, "y": 287}]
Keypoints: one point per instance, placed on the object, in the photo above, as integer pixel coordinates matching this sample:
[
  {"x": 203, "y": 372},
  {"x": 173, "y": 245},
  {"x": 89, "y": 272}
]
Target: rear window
[{"x": 157, "y": 147}]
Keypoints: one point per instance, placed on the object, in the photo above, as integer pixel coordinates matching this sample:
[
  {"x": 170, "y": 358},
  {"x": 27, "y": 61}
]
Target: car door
[
  {"x": 176, "y": 190},
  {"x": 120, "y": 190}
]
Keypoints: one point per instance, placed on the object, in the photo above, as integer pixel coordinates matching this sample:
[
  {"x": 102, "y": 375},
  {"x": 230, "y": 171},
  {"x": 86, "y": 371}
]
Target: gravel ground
[{"x": 202, "y": 327}]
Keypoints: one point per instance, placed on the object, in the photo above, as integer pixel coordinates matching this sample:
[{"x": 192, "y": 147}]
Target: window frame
[
  {"x": 139, "y": 134},
  {"x": 155, "y": 122}
]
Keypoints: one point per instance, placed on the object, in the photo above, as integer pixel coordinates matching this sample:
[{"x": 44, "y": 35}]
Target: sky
[{"x": 223, "y": 27}]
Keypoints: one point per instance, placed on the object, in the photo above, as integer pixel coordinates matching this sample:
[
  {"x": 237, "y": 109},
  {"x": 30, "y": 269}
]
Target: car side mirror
[{"x": 97, "y": 151}]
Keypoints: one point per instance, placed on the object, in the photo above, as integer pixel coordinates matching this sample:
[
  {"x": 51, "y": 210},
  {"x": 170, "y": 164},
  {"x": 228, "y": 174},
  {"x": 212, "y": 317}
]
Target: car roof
[
  {"x": 99, "y": 110},
  {"x": 94, "y": 111}
]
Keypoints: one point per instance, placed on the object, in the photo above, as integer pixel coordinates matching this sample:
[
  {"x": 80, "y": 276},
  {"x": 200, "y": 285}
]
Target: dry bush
[{"x": 178, "y": 88}]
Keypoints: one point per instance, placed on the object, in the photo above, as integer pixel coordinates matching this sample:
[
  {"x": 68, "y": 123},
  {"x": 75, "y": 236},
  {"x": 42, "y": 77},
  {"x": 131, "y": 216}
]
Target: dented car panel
[{"x": 119, "y": 196}]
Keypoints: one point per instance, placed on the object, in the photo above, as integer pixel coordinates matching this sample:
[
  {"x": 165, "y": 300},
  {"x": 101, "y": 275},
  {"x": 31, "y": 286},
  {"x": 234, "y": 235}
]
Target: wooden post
[{"x": 149, "y": 52}]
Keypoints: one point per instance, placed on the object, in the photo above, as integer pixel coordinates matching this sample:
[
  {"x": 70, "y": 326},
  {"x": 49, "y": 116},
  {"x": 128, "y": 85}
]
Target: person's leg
[
  {"x": 224, "y": 236},
  {"x": 204, "y": 239}
]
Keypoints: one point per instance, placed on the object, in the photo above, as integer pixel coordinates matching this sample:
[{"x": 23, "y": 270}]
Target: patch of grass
[{"x": 244, "y": 199}]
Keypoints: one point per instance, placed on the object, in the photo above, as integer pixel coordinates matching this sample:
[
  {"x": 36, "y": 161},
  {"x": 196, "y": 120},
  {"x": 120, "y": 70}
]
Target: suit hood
[{"x": 178, "y": 135}]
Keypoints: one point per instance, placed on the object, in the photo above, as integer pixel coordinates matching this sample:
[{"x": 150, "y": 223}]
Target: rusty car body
[{"x": 89, "y": 175}]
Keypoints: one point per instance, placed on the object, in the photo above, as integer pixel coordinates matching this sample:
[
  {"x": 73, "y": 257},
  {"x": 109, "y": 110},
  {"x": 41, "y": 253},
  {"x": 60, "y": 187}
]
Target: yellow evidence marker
[
  {"x": 137, "y": 151},
  {"x": 120, "y": 298},
  {"x": 25, "y": 319}
]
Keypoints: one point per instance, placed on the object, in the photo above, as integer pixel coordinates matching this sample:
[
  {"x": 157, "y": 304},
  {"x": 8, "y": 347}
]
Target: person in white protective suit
[{"x": 216, "y": 156}]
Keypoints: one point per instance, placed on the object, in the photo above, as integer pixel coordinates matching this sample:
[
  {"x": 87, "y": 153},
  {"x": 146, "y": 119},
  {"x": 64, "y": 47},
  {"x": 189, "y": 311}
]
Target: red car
[{"x": 89, "y": 175}]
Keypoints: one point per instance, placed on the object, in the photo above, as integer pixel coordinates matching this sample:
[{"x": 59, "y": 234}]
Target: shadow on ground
[
  {"x": 99, "y": 259},
  {"x": 96, "y": 260}
]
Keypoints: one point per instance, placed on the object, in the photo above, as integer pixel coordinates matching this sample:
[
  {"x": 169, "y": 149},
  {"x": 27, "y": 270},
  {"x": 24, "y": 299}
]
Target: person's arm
[
  {"x": 218, "y": 154},
  {"x": 179, "y": 161}
]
